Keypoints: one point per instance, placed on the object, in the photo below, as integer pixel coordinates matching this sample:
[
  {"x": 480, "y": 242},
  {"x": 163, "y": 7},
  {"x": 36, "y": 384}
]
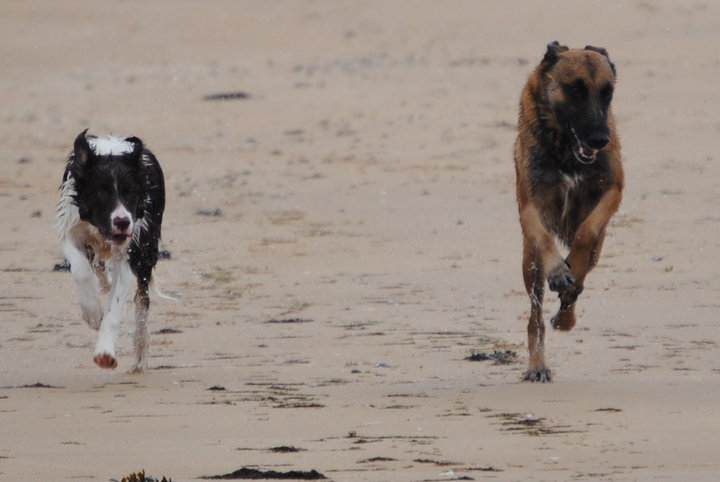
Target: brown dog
[{"x": 569, "y": 181}]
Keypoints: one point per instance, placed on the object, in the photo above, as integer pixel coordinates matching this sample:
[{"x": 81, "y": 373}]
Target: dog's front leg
[
  {"x": 555, "y": 269},
  {"x": 82, "y": 272},
  {"x": 586, "y": 246},
  {"x": 584, "y": 255},
  {"x": 539, "y": 253},
  {"x": 122, "y": 279}
]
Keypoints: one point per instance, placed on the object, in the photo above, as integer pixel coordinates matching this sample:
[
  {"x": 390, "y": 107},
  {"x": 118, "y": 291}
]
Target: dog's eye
[
  {"x": 606, "y": 94},
  {"x": 577, "y": 89},
  {"x": 129, "y": 193}
]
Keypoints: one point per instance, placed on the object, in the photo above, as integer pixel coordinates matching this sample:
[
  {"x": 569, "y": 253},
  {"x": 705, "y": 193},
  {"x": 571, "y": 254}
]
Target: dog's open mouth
[
  {"x": 583, "y": 153},
  {"x": 119, "y": 238}
]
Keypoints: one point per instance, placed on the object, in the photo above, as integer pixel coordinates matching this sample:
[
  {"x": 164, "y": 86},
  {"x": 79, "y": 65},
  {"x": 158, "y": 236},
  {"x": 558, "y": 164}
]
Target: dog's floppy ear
[
  {"x": 136, "y": 158},
  {"x": 554, "y": 49},
  {"x": 82, "y": 153}
]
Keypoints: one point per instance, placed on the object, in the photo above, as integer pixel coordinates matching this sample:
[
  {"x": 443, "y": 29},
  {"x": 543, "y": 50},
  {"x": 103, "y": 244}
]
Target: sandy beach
[{"x": 343, "y": 235}]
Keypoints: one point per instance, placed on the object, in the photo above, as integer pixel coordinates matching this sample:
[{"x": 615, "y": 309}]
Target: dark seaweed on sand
[
  {"x": 254, "y": 474},
  {"x": 500, "y": 357}
]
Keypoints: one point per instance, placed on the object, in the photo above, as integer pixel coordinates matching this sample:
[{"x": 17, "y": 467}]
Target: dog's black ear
[
  {"x": 136, "y": 157},
  {"x": 82, "y": 153},
  {"x": 554, "y": 49},
  {"x": 138, "y": 148},
  {"x": 599, "y": 50},
  {"x": 603, "y": 52}
]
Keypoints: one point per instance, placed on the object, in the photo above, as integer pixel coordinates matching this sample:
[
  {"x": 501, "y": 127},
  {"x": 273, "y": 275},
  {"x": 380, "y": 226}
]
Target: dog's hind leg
[
  {"x": 141, "y": 338},
  {"x": 535, "y": 286},
  {"x": 142, "y": 263}
]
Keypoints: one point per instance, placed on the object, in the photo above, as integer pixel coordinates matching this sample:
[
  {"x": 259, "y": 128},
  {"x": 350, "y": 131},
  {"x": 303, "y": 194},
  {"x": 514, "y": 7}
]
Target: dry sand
[{"x": 366, "y": 242}]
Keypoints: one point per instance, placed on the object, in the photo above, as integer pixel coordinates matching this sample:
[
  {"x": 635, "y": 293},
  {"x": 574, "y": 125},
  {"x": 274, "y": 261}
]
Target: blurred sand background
[{"x": 345, "y": 236}]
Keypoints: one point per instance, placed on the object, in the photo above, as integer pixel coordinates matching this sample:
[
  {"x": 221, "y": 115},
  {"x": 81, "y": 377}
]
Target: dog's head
[
  {"x": 579, "y": 85},
  {"x": 108, "y": 184}
]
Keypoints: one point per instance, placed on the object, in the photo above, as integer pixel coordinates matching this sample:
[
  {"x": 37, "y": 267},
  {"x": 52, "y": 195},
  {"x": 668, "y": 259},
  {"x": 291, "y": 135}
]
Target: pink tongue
[{"x": 587, "y": 151}]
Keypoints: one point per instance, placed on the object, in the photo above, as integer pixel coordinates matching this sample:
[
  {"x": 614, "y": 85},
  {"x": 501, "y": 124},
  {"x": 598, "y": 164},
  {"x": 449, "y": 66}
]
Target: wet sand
[{"x": 344, "y": 235}]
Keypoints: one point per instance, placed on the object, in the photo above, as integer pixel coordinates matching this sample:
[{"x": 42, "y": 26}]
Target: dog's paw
[
  {"x": 560, "y": 278},
  {"x": 542, "y": 375},
  {"x": 138, "y": 369},
  {"x": 569, "y": 296},
  {"x": 105, "y": 360},
  {"x": 564, "y": 320}
]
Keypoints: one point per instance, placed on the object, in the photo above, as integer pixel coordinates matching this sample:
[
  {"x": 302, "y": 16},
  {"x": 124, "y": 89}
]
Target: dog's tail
[{"x": 159, "y": 293}]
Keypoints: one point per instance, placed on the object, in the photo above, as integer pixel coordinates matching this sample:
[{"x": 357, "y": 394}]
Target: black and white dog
[{"x": 109, "y": 216}]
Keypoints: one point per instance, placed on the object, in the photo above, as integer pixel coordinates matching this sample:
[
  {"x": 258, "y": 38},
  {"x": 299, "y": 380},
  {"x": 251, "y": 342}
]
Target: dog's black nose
[
  {"x": 598, "y": 140},
  {"x": 121, "y": 223}
]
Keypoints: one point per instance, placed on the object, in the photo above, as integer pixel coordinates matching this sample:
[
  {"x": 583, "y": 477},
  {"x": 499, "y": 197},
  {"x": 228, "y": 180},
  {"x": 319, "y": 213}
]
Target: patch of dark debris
[
  {"x": 33, "y": 385},
  {"x": 212, "y": 213},
  {"x": 288, "y": 320},
  {"x": 64, "y": 266},
  {"x": 529, "y": 424},
  {"x": 499, "y": 357},
  {"x": 281, "y": 449},
  {"x": 227, "y": 96},
  {"x": 488, "y": 468},
  {"x": 246, "y": 473},
  {"x": 276, "y": 395},
  {"x": 285, "y": 449},
  {"x": 39, "y": 385},
  {"x": 141, "y": 477},
  {"x": 376, "y": 459},
  {"x": 299, "y": 405},
  {"x": 166, "y": 331}
]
